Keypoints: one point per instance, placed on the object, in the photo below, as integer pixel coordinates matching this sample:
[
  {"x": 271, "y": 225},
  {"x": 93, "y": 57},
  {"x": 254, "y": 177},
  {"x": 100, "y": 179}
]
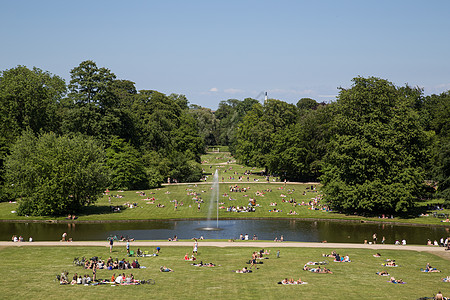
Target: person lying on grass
[
  {"x": 201, "y": 264},
  {"x": 383, "y": 273},
  {"x": 317, "y": 270},
  {"x": 165, "y": 269},
  {"x": 333, "y": 254},
  {"x": 292, "y": 281},
  {"x": 390, "y": 264},
  {"x": 393, "y": 280},
  {"x": 316, "y": 263},
  {"x": 243, "y": 270},
  {"x": 377, "y": 255}
]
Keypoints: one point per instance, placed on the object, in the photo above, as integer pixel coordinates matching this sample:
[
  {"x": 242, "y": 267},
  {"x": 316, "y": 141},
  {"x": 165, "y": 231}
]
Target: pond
[{"x": 292, "y": 230}]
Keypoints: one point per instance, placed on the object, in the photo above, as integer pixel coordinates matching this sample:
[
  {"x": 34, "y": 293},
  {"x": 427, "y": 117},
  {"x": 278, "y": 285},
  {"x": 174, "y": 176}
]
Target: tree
[
  {"x": 299, "y": 148},
  {"x": 28, "y": 100},
  {"x": 127, "y": 168},
  {"x": 90, "y": 84},
  {"x": 378, "y": 150},
  {"x": 254, "y": 139},
  {"x": 207, "y": 124},
  {"x": 55, "y": 175},
  {"x": 99, "y": 104}
]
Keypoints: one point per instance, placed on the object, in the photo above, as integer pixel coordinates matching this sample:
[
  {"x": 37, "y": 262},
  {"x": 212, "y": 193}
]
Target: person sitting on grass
[
  {"x": 429, "y": 268},
  {"x": 165, "y": 269}
]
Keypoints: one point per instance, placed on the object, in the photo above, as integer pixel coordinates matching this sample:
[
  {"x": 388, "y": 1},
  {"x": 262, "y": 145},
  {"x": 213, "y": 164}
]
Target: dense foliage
[
  {"x": 373, "y": 148},
  {"x": 54, "y": 175}
]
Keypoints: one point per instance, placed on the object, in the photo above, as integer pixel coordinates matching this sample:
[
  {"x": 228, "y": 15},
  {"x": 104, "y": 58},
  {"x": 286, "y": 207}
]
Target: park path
[{"x": 252, "y": 244}]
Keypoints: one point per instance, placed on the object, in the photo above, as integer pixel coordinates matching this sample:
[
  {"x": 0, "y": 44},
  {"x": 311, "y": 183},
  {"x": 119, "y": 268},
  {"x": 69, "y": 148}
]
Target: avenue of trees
[{"x": 377, "y": 149}]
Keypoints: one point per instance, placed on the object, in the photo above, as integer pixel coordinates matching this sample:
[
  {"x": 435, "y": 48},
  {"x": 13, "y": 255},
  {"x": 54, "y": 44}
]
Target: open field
[{"x": 30, "y": 272}]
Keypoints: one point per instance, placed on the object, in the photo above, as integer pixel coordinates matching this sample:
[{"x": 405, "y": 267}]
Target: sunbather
[
  {"x": 383, "y": 273},
  {"x": 165, "y": 269}
]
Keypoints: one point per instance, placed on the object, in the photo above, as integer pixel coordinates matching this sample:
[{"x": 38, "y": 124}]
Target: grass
[
  {"x": 30, "y": 272},
  {"x": 229, "y": 174}
]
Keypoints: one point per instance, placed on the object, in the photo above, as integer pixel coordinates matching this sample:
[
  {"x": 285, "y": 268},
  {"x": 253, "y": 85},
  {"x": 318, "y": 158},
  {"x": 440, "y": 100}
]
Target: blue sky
[{"x": 218, "y": 50}]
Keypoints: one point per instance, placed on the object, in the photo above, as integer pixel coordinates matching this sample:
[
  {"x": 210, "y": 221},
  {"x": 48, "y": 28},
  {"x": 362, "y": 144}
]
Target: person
[
  {"x": 383, "y": 240},
  {"x": 119, "y": 279},
  {"x": 30, "y": 239},
  {"x": 439, "y": 296},
  {"x": 195, "y": 250},
  {"x": 111, "y": 243},
  {"x": 64, "y": 235},
  {"x": 165, "y": 269},
  {"x": 374, "y": 237},
  {"x": 158, "y": 249},
  {"x": 128, "y": 247}
]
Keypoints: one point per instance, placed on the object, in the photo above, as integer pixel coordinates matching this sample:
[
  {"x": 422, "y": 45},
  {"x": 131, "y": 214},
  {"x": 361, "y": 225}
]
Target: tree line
[{"x": 377, "y": 148}]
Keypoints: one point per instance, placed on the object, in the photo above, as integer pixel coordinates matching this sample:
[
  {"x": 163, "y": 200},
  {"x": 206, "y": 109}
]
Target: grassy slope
[
  {"x": 230, "y": 173},
  {"x": 29, "y": 272}
]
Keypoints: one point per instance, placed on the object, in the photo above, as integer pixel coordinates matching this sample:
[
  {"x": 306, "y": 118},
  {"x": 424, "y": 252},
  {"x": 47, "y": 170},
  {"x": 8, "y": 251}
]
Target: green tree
[
  {"x": 127, "y": 168},
  {"x": 254, "y": 140},
  {"x": 99, "y": 104},
  {"x": 378, "y": 150},
  {"x": 90, "y": 84},
  {"x": 207, "y": 124},
  {"x": 28, "y": 100},
  {"x": 299, "y": 148},
  {"x": 55, "y": 175}
]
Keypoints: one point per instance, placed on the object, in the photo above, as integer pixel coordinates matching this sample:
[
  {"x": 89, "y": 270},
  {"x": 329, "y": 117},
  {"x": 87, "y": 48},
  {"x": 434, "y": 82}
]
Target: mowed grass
[{"x": 29, "y": 272}]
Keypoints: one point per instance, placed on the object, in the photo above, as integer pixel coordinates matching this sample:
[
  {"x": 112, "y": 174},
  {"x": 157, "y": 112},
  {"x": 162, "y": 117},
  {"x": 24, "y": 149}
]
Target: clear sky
[{"x": 217, "y": 50}]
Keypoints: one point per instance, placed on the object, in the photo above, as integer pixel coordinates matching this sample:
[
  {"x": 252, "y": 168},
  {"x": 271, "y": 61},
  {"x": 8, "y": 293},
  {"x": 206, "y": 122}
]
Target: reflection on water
[{"x": 292, "y": 230}]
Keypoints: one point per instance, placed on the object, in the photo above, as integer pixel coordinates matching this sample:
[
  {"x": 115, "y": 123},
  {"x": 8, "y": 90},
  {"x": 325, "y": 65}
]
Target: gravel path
[{"x": 252, "y": 244}]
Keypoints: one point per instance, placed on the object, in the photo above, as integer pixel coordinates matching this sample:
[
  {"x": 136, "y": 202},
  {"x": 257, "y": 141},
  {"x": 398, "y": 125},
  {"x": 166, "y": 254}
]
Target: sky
[{"x": 217, "y": 50}]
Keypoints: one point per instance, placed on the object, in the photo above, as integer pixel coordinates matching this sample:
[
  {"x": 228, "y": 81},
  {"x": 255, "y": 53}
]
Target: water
[{"x": 292, "y": 230}]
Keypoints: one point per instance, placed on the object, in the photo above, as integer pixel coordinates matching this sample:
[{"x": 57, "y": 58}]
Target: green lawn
[{"x": 30, "y": 271}]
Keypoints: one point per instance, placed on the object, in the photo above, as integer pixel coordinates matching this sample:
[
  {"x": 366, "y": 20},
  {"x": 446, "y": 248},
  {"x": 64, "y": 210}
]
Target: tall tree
[
  {"x": 29, "y": 99},
  {"x": 376, "y": 157}
]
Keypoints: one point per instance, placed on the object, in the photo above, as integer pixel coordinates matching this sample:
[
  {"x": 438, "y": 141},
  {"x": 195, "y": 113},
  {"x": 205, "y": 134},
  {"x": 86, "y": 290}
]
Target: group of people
[
  {"x": 95, "y": 263},
  {"x": 19, "y": 238}
]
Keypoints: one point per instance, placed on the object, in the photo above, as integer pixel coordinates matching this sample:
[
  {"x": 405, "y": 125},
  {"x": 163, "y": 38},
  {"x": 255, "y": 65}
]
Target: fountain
[{"x": 213, "y": 202}]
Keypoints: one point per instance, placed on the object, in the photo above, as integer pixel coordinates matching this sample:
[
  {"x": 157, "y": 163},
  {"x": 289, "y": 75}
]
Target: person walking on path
[
  {"x": 374, "y": 238},
  {"x": 111, "y": 243},
  {"x": 128, "y": 247}
]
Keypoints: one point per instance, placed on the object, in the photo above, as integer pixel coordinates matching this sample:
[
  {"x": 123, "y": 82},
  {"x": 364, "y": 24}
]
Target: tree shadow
[{"x": 102, "y": 210}]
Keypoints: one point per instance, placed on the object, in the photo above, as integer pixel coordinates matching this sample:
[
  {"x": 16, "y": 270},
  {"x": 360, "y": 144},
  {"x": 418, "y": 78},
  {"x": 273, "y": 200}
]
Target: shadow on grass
[{"x": 102, "y": 210}]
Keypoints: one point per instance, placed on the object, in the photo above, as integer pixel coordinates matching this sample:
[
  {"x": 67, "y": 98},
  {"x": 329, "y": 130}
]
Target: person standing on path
[
  {"x": 374, "y": 238},
  {"x": 128, "y": 247},
  {"x": 195, "y": 250},
  {"x": 64, "y": 235},
  {"x": 111, "y": 243}
]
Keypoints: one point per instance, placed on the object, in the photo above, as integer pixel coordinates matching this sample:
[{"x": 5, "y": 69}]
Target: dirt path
[{"x": 260, "y": 244}]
